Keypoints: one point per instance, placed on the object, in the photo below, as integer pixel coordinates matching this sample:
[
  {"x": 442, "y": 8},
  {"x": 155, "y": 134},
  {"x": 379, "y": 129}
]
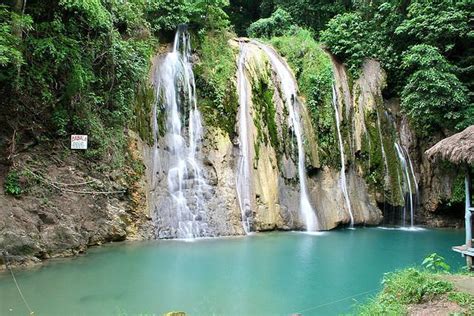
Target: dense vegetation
[
  {"x": 72, "y": 66},
  {"x": 425, "y": 47},
  {"x": 63, "y": 62}
]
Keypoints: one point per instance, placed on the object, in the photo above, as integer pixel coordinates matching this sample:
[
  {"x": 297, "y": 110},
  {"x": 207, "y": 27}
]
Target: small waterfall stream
[
  {"x": 290, "y": 92},
  {"x": 412, "y": 172},
  {"x": 408, "y": 177},
  {"x": 243, "y": 169},
  {"x": 342, "y": 180},
  {"x": 176, "y": 93}
]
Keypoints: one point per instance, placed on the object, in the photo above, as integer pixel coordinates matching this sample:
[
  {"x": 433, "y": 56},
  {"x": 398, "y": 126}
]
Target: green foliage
[
  {"x": 93, "y": 12},
  {"x": 74, "y": 66},
  {"x": 214, "y": 79},
  {"x": 409, "y": 286},
  {"x": 464, "y": 300},
  {"x": 433, "y": 97},
  {"x": 312, "y": 15},
  {"x": 168, "y": 14},
  {"x": 352, "y": 38},
  {"x": 82, "y": 63},
  {"x": 12, "y": 184},
  {"x": 10, "y": 43},
  {"x": 426, "y": 49},
  {"x": 345, "y": 36},
  {"x": 242, "y": 13},
  {"x": 413, "y": 286},
  {"x": 60, "y": 119},
  {"x": 457, "y": 191},
  {"x": 435, "y": 263},
  {"x": 210, "y": 14},
  {"x": 276, "y": 25},
  {"x": 377, "y": 307},
  {"x": 438, "y": 23}
]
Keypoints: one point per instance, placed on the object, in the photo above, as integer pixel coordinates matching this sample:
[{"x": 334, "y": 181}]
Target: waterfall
[
  {"x": 413, "y": 177},
  {"x": 408, "y": 176},
  {"x": 243, "y": 169},
  {"x": 290, "y": 92},
  {"x": 342, "y": 180},
  {"x": 176, "y": 93}
]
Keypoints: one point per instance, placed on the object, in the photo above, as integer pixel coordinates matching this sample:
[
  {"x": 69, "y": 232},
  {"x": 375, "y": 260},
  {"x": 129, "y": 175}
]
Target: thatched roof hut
[{"x": 458, "y": 149}]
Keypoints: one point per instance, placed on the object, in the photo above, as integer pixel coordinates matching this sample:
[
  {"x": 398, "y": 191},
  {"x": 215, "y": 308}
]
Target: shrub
[
  {"x": 439, "y": 23},
  {"x": 12, "y": 184},
  {"x": 346, "y": 37},
  {"x": 435, "y": 262},
  {"x": 412, "y": 286},
  {"x": 433, "y": 96},
  {"x": 276, "y": 25}
]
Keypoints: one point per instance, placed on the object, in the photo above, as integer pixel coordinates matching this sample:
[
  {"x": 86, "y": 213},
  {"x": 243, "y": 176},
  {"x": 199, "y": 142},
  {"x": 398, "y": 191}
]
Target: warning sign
[{"x": 78, "y": 141}]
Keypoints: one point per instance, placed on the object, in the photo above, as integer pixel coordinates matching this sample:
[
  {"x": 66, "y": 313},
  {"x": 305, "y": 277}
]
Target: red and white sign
[{"x": 78, "y": 141}]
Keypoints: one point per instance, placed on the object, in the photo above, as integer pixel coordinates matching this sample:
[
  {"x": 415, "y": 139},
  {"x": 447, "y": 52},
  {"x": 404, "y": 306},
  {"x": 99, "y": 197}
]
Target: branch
[{"x": 56, "y": 185}]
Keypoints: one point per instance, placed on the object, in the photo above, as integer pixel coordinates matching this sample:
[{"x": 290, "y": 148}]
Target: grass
[{"x": 412, "y": 286}]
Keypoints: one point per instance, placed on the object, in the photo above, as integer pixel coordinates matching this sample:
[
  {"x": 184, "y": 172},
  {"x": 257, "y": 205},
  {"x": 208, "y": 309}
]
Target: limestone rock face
[
  {"x": 274, "y": 183},
  {"x": 46, "y": 222},
  {"x": 223, "y": 208},
  {"x": 367, "y": 94},
  {"x": 329, "y": 200}
]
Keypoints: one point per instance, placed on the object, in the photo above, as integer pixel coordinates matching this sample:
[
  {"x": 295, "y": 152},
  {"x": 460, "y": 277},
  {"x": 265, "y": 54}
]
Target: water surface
[{"x": 262, "y": 274}]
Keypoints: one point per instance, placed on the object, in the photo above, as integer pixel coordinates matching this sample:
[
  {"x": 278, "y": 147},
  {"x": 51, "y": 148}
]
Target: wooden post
[{"x": 468, "y": 217}]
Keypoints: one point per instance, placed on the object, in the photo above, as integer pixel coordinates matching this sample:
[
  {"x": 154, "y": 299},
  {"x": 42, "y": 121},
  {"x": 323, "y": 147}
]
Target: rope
[
  {"x": 333, "y": 302},
  {"x": 16, "y": 284}
]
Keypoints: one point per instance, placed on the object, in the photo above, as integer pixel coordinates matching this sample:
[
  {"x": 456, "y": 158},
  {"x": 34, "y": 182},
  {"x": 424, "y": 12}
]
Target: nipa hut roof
[{"x": 458, "y": 149}]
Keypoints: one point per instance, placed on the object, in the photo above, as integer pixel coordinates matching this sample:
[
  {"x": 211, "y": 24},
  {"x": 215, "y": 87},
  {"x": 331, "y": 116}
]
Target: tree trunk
[{"x": 18, "y": 8}]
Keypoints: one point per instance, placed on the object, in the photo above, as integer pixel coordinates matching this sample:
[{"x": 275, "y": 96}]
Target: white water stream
[
  {"x": 243, "y": 169},
  {"x": 407, "y": 170},
  {"x": 342, "y": 180},
  {"x": 290, "y": 91},
  {"x": 176, "y": 93}
]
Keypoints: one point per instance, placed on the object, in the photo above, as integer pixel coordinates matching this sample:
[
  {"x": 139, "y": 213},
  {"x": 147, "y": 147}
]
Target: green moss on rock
[
  {"x": 215, "y": 81},
  {"x": 142, "y": 110},
  {"x": 265, "y": 112}
]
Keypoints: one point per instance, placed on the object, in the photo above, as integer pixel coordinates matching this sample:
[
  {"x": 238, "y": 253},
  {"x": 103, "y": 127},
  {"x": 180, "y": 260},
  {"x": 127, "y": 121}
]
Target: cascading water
[
  {"x": 243, "y": 169},
  {"x": 290, "y": 92},
  {"x": 413, "y": 177},
  {"x": 408, "y": 176},
  {"x": 176, "y": 93},
  {"x": 342, "y": 180}
]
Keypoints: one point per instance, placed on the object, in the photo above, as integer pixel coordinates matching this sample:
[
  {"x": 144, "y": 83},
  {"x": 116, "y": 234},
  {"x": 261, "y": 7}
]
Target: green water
[{"x": 264, "y": 274}]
